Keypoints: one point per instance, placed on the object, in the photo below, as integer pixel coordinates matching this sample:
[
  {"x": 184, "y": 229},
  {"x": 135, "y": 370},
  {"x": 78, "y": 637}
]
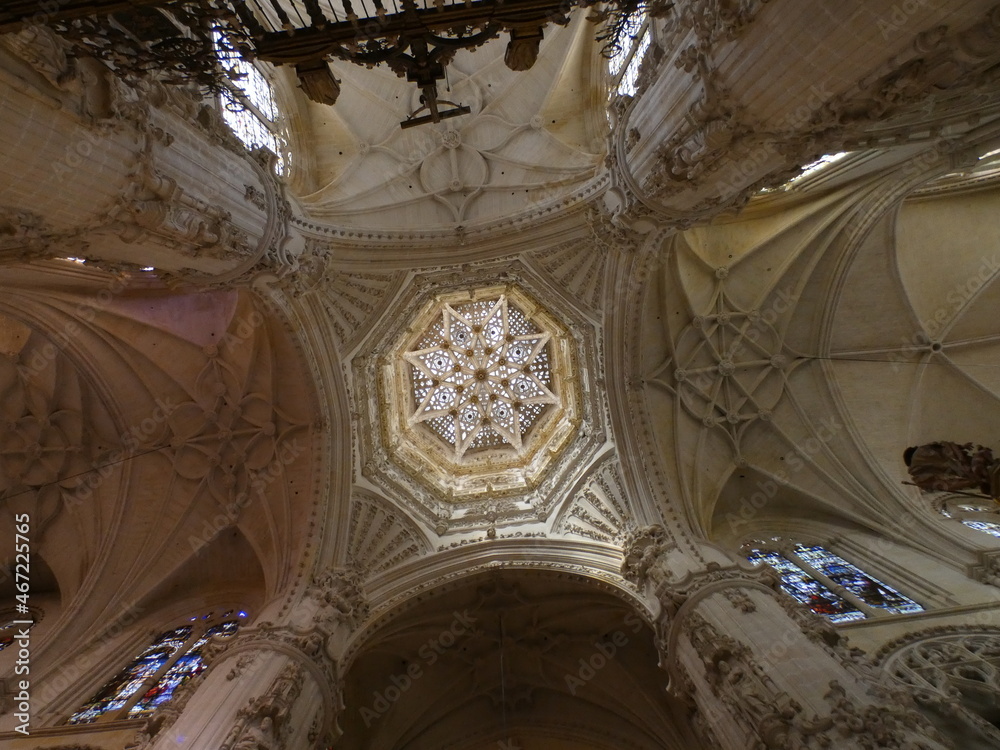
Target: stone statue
[{"x": 950, "y": 467}]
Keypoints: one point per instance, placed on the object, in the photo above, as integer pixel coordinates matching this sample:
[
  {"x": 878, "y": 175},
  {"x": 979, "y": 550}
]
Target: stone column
[
  {"x": 760, "y": 670},
  {"x": 128, "y": 176}
]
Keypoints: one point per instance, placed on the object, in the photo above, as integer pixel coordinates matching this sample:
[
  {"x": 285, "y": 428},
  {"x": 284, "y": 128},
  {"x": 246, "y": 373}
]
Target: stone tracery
[{"x": 481, "y": 375}]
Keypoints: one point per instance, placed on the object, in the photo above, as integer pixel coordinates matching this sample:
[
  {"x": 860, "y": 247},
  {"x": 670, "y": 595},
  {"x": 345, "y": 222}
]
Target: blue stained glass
[
  {"x": 188, "y": 666},
  {"x": 807, "y": 590},
  {"x": 986, "y": 526},
  {"x": 870, "y": 590},
  {"x": 116, "y": 693}
]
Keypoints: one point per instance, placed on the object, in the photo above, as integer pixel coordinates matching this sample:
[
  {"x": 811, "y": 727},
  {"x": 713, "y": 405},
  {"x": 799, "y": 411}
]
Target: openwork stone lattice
[
  {"x": 478, "y": 392},
  {"x": 481, "y": 375}
]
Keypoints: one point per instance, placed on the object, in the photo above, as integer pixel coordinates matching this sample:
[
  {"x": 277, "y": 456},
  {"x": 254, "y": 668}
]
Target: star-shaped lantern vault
[
  {"x": 478, "y": 393},
  {"x": 481, "y": 375}
]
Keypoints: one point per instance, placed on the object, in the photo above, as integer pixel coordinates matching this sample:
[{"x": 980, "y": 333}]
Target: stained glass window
[
  {"x": 974, "y": 516},
  {"x": 829, "y": 584},
  {"x": 807, "y": 590},
  {"x": 153, "y": 677},
  {"x": 7, "y": 633},
  {"x": 190, "y": 665},
  {"x": 869, "y": 589},
  {"x": 481, "y": 375},
  {"x": 985, "y": 526}
]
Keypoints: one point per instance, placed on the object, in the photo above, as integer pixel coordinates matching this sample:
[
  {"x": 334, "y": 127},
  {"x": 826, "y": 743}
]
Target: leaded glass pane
[
  {"x": 626, "y": 42},
  {"x": 190, "y": 665},
  {"x": 807, "y": 590},
  {"x": 627, "y": 83},
  {"x": 249, "y": 109},
  {"x": 870, "y": 590},
  {"x": 117, "y": 692}
]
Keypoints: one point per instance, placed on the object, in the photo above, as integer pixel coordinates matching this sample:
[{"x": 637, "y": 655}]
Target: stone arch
[{"x": 535, "y": 658}]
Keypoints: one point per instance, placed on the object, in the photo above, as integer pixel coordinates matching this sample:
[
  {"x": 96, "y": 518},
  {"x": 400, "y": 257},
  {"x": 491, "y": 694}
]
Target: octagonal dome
[
  {"x": 412, "y": 449},
  {"x": 479, "y": 391}
]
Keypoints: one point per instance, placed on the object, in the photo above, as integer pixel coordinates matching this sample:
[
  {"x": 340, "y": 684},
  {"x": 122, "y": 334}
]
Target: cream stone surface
[{"x": 207, "y": 392}]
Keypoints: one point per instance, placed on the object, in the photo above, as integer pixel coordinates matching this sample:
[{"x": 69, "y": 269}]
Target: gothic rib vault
[{"x": 279, "y": 418}]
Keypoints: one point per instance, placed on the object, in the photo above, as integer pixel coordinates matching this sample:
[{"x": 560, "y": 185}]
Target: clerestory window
[
  {"x": 975, "y": 515},
  {"x": 827, "y": 583},
  {"x": 627, "y": 52},
  {"x": 248, "y": 105},
  {"x": 153, "y": 677}
]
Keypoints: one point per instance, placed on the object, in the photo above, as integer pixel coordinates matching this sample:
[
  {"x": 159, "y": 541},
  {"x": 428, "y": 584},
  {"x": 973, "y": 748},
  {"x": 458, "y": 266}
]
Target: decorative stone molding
[
  {"x": 715, "y": 122},
  {"x": 776, "y": 720},
  {"x": 337, "y": 596},
  {"x": 381, "y": 537},
  {"x": 987, "y": 567},
  {"x": 945, "y": 62},
  {"x": 608, "y": 235},
  {"x": 25, "y": 236},
  {"x": 157, "y": 207},
  {"x": 713, "y": 21},
  {"x": 643, "y": 551},
  {"x": 951, "y": 670},
  {"x": 44, "y": 51},
  {"x": 600, "y": 510},
  {"x": 719, "y": 154},
  {"x": 735, "y": 677},
  {"x": 263, "y": 724},
  {"x": 740, "y": 600}
]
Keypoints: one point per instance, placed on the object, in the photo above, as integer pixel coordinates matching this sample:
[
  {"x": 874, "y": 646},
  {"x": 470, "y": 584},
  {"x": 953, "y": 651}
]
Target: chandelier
[{"x": 179, "y": 40}]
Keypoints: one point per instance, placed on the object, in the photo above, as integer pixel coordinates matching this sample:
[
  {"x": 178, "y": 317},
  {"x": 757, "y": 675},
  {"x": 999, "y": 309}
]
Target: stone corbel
[{"x": 336, "y": 597}]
